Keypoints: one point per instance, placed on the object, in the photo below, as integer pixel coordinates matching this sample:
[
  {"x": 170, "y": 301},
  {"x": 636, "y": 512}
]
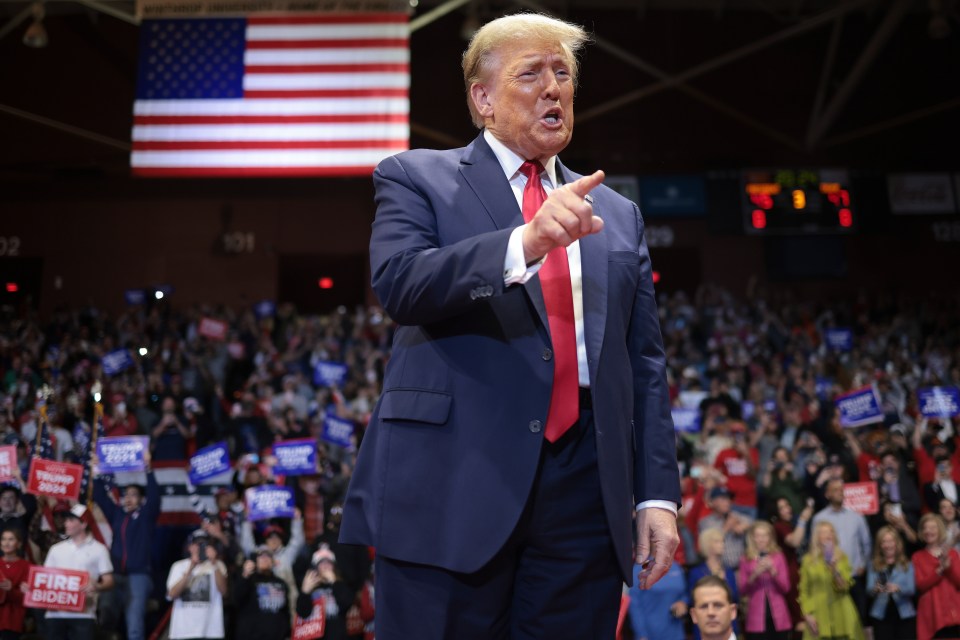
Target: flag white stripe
[
  {"x": 272, "y": 107},
  {"x": 185, "y": 503},
  {"x": 253, "y": 57},
  {"x": 326, "y": 31},
  {"x": 308, "y": 81},
  {"x": 258, "y": 158},
  {"x": 249, "y": 132}
]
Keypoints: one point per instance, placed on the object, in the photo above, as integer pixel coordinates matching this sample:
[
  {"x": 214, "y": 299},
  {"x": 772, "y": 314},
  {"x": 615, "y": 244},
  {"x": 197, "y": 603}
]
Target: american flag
[
  {"x": 45, "y": 448},
  {"x": 293, "y": 95}
]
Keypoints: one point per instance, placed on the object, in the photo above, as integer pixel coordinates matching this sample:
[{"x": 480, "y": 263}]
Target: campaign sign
[
  {"x": 209, "y": 462},
  {"x": 861, "y": 497},
  {"x": 8, "y": 463},
  {"x": 54, "y": 479},
  {"x": 823, "y": 385},
  {"x": 58, "y": 589},
  {"x": 312, "y": 627},
  {"x": 212, "y": 329},
  {"x": 939, "y": 402},
  {"x": 326, "y": 374},
  {"x": 337, "y": 431},
  {"x": 859, "y": 407},
  {"x": 116, "y": 361},
  {"x": 839, "y": 339},
  {"x": 296, "y": 457},
  {"x": 269, "y": 501},
  {"x": 265, "y": 309},
  {"x": 686, "y": 420},
  {"x": 121, "y": 453},
  {"x": 135, "y": 296}
]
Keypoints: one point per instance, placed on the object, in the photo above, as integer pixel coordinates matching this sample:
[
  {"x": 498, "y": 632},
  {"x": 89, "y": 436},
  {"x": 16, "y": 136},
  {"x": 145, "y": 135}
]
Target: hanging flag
[{"x": 291, "y": 95}]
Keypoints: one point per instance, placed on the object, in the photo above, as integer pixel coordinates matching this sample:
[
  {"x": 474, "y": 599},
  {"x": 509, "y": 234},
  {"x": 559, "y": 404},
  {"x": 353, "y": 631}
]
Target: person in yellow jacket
[{"x": 825, "y": 581}]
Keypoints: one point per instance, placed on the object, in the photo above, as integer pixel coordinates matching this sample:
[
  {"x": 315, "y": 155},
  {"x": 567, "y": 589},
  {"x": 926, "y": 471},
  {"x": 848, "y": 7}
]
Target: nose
[{"x": 551, "y": 89}]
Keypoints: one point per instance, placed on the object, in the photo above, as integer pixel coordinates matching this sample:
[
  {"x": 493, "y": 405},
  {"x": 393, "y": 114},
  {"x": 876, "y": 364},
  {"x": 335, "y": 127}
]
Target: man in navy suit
[{"x": 524, "y": 424}]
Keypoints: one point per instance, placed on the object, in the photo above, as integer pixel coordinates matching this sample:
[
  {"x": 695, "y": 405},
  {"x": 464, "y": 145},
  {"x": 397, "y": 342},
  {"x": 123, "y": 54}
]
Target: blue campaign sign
[
  {"x": 295, "y": 457},
  {"x": 686, "y": 420},
  {"x": 135, "y": 296},
  {"x": 121, "y": 453},
  {"x": 939, "y": 402},
  {"x": 269, "y": 501},
  {"x": 209, "y": 462},
  {"x": 337, "y": 431},
  {"x": 116, "y": 361},
  {"x": 859, "y": 407},
  {"x": 823, "y": 386},
  {"x": 838, "y": 339},
  {"x": 265, "y": 309},
  {"x": 326, "y": 374},
  {"x": 672, "y": 196}
]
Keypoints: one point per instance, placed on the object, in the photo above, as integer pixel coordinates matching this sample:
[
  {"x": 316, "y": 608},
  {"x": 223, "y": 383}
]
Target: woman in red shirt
[
  {"x": 937, "y": 568},
  {"x": 13, "y": 580}
]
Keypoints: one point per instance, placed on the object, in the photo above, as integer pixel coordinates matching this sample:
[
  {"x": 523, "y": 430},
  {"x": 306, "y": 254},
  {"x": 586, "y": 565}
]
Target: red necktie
[{"x": 558, "y": 298}]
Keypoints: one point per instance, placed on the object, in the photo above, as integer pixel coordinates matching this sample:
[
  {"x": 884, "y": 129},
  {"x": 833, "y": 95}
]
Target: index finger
[{"x": 586, "y": 184}]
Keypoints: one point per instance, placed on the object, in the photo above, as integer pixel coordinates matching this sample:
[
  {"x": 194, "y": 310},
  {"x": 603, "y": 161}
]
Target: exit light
[
  {"x": 325, "y": 283},
  {"x": 12, "y": 287}
]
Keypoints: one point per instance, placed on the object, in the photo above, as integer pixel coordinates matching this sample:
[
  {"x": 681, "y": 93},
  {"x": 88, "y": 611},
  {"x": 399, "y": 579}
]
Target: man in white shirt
[
  {"x": 196, "y": 585},
  {"x": 713, "y": 609},
  {"x": 79, "y": 552}
]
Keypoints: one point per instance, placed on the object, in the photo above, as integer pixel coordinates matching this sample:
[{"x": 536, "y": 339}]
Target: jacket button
[
  {"x": 547, "y": 354},
  {"x": 535, "y": 426}
]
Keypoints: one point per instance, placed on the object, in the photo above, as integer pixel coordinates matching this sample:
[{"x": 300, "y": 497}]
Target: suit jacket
[{"x": 452, "y": 448}]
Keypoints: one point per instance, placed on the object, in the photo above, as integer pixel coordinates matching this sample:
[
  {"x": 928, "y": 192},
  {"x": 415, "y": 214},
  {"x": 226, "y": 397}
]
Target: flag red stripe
[
  {"x": 345, "y": 18},
  {"x": 401, "y": 67},
  {"x": 278, "y": 119},
  {"x": 204, "y": 145},
  {"x": 351, "y": 43},
  {"x": 238, "y": 172},
  {"x": 327, "y": 93}
]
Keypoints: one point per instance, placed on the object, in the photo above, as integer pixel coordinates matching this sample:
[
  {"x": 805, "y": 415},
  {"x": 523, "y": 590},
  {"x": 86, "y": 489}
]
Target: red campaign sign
[
  {"x": 312, "y": 627},
  {"x": 58, "y": 589},
  {"x": 54, "y": 479},
  {"x": 8, "y": 463},
  {"x": 213, "y": 329},
  {"x": 862, "y": 497}
]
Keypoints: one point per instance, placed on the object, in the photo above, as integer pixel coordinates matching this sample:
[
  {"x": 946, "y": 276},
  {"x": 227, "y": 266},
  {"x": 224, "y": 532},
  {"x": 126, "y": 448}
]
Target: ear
[
  {"x": 735, "y": 610},
  {"x": 482, "y": 100}
]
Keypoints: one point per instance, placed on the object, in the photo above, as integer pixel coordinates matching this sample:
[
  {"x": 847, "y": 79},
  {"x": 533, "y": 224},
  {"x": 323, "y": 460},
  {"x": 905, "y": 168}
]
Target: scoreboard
[{"x": 796, "y": 201}]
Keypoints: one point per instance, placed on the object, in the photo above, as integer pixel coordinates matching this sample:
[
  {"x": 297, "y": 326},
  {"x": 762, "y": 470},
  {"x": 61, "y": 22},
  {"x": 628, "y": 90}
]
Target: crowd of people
[{"x": 764, "y": 476}]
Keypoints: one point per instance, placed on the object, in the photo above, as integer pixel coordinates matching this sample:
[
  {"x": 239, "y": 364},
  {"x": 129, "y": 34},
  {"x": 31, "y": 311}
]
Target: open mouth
[{"x": 553, "y": 117}]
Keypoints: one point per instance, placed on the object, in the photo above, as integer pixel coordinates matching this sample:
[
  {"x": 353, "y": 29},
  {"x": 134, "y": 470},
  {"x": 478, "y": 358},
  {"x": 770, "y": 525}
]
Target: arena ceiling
[{"x": 667, "y": 84}]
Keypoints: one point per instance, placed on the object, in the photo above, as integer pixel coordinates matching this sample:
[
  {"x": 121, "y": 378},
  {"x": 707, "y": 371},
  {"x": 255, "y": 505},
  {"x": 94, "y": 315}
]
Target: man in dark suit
[{"x": 524, "y": 423}]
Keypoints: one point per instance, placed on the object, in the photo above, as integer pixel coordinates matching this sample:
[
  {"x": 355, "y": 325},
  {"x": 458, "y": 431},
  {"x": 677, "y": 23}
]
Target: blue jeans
[{"x": 130, "y": 594}]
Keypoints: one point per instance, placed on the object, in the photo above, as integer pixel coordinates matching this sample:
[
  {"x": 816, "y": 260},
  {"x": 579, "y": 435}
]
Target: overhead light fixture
[{"x": 36, "y": 34}]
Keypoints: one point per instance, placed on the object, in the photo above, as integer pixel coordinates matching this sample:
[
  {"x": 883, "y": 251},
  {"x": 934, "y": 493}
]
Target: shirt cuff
[
  {"x": 658, "y": 504},
  {"x": 515, "y": 269}
]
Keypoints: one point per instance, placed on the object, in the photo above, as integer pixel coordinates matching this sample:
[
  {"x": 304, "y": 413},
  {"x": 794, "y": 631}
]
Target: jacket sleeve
[
  {"x": 804, "y": 591},
  {"x": 782, "y": 580},
  {"x": 104, "y": 500},
  {"x": 906, "y": 580},
  {"x": 247, "y": 543},
  {"x": 925, "y": 572},
  {"x": 417, "y": 280},
  {"x": 304, "y": 605},
  {"x": 846, "y": 573},
  {"x": 242, "y": 588},
  {"x": 152, "y": 506},
  {"x": 953, "y": 573},
  {"x": 656, "y": 476}
]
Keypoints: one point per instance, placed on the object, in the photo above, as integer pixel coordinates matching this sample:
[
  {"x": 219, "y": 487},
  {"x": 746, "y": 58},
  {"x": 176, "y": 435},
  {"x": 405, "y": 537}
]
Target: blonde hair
[
  {"x": 531, "y": 27},
  {"x": 878, "y": 562},
  {"x": 752, "y": 552},
  {"x": 816, "y": 550},
  {"x": 708, "y": 537},
  {"x": 941, "y": 525}
]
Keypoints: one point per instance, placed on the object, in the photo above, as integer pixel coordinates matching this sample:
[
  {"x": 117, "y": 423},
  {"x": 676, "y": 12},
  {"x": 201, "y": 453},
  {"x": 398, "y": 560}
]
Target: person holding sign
[
  {"x": 197, "y": 585},
  {"x": 13, "y": 580},
  {"x": 133, "y": 522},
  {"x": 79, "y": 552}
]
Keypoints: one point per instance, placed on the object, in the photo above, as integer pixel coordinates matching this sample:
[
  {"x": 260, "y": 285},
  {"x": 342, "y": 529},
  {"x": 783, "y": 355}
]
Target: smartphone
[{"x": 896, "y": 510}]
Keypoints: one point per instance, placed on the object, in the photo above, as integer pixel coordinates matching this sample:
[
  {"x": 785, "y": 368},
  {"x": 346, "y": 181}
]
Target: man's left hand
[{"x": 657, "y": 538}]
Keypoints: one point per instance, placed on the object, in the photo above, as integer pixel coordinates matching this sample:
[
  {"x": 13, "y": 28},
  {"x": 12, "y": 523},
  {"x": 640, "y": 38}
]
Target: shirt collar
[{"x": 510, "y": 162}]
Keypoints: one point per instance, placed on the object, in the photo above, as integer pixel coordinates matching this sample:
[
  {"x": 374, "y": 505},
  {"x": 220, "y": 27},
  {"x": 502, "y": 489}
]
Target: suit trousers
[{"x": 556, "y": 578}]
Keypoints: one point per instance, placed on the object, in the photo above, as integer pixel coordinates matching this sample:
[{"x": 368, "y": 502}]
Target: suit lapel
[
  {"x": 482, "y": 171},
  {"x": 593, "y": 279}
]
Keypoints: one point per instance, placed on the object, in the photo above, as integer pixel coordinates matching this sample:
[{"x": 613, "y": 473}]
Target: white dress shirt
[{"x": 516, "y": 271}]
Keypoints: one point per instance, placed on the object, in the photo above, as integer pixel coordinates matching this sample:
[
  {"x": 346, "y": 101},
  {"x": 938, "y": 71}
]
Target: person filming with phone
[{"x": 825, "y": 582}]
